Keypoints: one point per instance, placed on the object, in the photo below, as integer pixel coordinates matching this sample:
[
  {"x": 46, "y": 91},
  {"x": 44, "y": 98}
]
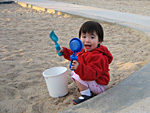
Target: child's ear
[{"x": 99, "y": 42}]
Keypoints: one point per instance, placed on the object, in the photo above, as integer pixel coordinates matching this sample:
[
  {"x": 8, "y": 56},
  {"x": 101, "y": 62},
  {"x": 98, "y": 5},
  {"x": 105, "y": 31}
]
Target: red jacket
[{"x": 93, "y": 65}]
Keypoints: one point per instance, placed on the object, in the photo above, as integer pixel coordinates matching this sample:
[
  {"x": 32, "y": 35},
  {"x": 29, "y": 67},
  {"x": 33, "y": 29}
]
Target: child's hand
[
  {"x": 61, "y": 50},
  {"x": 75, "y": 65}
]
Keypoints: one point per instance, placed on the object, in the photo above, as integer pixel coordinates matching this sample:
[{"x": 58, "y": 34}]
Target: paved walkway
[
  {"x": 126, "y": 19},
  {"x": 132, "y": 95}
]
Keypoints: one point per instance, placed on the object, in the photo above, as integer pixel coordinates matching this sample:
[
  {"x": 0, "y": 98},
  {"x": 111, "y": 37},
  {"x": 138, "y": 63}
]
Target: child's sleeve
[{"x": 67, "y": 53}]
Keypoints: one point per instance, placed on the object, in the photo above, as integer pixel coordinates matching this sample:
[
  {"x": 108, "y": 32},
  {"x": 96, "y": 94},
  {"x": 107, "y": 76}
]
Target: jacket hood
[{"x": 105, "y": 51}]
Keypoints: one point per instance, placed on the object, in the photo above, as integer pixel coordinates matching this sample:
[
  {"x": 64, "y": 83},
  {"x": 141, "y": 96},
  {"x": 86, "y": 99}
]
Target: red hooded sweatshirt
[{"x": 93, "y": 65}]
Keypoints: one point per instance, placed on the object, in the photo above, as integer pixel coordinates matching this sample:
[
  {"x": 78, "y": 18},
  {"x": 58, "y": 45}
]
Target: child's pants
[{"x": 92, "y": 85}]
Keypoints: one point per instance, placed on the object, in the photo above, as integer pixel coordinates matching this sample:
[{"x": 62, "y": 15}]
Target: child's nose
[{"x": 87, "y": 39}]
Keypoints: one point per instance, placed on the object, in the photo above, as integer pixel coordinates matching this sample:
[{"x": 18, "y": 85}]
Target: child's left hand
[{"x": 75, "y": 65}]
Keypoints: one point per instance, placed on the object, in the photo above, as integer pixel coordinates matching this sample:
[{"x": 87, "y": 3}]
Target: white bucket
[{"x": 56, "y": 81}]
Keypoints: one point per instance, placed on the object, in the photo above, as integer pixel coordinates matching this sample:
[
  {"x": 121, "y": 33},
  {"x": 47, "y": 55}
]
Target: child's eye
[
  {"x": 84, "y": 36},
  {"x": 92, "y": 37}
]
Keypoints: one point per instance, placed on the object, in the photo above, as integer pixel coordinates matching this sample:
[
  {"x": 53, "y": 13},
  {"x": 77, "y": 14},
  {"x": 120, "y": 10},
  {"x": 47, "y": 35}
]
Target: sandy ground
[{"x": 26, "y": 51}]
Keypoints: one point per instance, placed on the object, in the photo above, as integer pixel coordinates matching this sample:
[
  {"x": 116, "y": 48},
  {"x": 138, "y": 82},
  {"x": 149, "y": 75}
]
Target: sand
[{"x": 26, "y": 51}]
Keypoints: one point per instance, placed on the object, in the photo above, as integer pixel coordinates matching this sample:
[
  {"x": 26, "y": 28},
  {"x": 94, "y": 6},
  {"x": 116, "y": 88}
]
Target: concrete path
[
  {"x": 126, "y": 19},
  {"x": 132, "y": 95}
]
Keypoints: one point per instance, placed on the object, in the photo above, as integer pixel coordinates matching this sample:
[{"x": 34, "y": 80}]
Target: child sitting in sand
[{"x": 91, "y": 70}]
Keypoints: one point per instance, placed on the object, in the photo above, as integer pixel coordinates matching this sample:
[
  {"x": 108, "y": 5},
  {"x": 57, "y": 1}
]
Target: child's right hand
[{"x": 61, "y": 50}]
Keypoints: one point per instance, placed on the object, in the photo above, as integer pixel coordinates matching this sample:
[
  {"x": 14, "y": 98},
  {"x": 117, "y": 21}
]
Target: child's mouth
[{"x": 87, "y": 46}]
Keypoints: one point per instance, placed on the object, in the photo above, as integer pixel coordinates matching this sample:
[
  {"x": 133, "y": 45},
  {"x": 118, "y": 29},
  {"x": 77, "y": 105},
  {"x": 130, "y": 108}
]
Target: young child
[{"x": 91, "y": 70}]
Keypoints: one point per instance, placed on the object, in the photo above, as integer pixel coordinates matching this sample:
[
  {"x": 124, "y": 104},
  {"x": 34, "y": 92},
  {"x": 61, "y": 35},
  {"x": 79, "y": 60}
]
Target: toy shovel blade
[{"x": 53, "y": 36}]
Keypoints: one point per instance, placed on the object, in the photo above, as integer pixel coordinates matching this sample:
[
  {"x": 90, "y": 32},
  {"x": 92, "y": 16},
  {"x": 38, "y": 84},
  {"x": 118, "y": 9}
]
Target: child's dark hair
[{"x": 90, "y": 27}]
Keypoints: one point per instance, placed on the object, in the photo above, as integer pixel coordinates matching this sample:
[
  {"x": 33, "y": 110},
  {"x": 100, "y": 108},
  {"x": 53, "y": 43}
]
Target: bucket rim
[{"x": 65, "y": 70}]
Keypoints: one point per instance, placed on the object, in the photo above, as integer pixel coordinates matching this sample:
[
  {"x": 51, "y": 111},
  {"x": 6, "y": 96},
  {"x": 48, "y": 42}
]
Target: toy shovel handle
[
  {"x": 73, "y": 57},
  {"x": 57, "y": 46}
]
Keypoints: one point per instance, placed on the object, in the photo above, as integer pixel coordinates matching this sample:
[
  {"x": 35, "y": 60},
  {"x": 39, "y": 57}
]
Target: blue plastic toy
[
  {"x": 76, "y": 46},
  {"x": 54, "y": 38}
]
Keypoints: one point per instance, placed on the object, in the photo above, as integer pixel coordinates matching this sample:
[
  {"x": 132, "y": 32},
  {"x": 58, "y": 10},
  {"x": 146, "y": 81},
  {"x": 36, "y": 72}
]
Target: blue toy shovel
[
  {"x": 76, "y": 46},
  {"x": 54, "y": 38}
]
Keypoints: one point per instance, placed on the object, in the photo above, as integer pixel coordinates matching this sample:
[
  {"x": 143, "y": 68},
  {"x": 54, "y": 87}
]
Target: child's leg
[
  {"x": 84, "y": 89},
  {"x": 96, "y": 88},
  {"x": 92, "y": 85},
  {"x": 80, "y": 86}
]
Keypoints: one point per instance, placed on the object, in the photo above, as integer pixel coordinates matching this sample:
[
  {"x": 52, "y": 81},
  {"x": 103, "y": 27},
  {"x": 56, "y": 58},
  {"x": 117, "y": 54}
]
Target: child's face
[{"x": 90, "y": 41}]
